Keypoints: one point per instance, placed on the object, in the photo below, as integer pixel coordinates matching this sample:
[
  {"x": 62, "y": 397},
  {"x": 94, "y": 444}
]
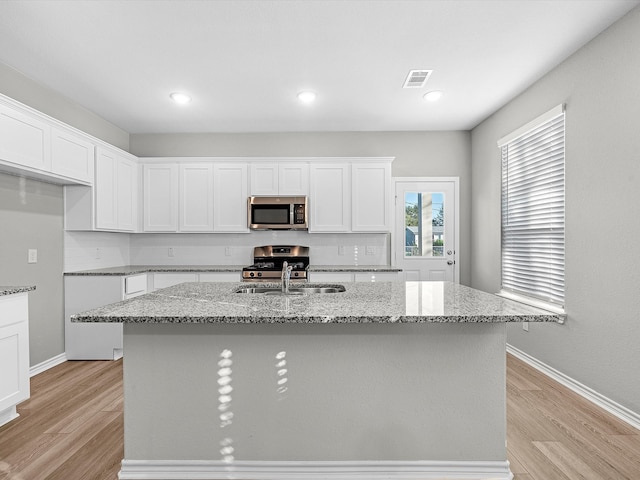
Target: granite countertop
[
  {"x": 362, "y": 302},
  {"x": 354, "y": 268},
  {"x": 136, "y": 269},
  {"x": 13, "y": 290}
]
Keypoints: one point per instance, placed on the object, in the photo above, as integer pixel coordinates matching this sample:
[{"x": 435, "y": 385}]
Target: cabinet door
[
  {"x": 293, "y": 179},
  {"x": 230, "y": 197},
  {"x": 127, "y": 203},
  {"x": 264, "y": 179},
  {"x": 72, "y": 156},
  {"x": 160, "y": 198},
  {"x": 106, "y": 193},
  {"x": 330, "y": 199},
  {"x": 14, "y": 351},
  {"x": 196, "y": 198},
  {"x": 378, "y": 277},
  {"x": 24, "y": 140},
  {"x": 330, "y": 277},
  {"x": 371, "y": 197}
]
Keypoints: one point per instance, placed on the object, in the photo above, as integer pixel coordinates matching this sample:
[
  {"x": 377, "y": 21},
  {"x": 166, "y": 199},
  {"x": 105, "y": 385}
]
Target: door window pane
[{"x": 424, "y": 224}]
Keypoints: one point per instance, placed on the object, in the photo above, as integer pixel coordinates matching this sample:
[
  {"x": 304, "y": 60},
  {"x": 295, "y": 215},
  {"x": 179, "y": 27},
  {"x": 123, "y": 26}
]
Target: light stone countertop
[
  {"x": 362, "y": 302},
  {"x": 13, "y": 290},
  {"x": 136, "y": 269}
]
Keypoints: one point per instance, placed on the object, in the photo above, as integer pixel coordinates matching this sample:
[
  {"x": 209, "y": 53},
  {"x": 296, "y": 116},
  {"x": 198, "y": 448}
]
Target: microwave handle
[{"x": 291, "y": 213}]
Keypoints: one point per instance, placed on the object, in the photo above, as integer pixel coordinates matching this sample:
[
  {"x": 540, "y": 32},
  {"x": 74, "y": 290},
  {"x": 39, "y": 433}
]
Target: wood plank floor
[{"x": 72, "y": 428}]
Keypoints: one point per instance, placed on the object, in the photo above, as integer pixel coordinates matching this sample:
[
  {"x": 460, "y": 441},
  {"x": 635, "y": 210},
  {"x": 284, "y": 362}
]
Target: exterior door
[{"x": 426, "y": 225}]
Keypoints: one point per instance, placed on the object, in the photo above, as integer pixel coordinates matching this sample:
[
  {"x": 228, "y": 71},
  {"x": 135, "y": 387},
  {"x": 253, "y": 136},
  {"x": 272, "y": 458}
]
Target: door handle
[{"x": 450, "y": 262}]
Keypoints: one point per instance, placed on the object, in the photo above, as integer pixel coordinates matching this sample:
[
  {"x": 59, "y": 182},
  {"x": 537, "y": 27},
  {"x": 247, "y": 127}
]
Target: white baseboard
[
  {"x": 623, "y": 413},
  {"x": 47, "y": 364},
  {"x": 271, "y": 470}
]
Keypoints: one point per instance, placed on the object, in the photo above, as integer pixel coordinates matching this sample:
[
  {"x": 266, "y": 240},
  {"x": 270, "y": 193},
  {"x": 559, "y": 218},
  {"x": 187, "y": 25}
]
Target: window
[{"x": 533, "y": 209}]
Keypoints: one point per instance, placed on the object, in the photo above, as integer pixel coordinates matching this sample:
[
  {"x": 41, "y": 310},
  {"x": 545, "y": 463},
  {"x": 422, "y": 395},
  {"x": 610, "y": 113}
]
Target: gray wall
[
  {"x": 417, "y": 154},
  {"x": 21, "y": 88},
  {"x": 598, "y": 346},
  {"x": 31, "y": 215}
]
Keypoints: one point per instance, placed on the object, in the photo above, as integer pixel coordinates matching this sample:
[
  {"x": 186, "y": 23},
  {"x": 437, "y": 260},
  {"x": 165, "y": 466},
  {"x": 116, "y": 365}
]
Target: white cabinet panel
[
  {"x": 293, "y": 179},
  {"x": 127, "y": 194},
  {"x": 230, "y": 197},
  {"x": 264, "y": 179},
  {"x": 14, "y": 354},
  {"x": 115, "y": 191},
  {"x": 106, "y": 190},
  {"x": 330, "y": 199},
  {"x": 160, "y": 198},
  {"x": 196, "y": 198},
  {"x": 371, "y": 197},
  {"x": 285, "y": 178},
  {"x": 24, "y": 139},
  {"x": 72, "y": 156}
]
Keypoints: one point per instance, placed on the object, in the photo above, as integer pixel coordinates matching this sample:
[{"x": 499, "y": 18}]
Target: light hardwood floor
[{"x": 72, "y": 428}]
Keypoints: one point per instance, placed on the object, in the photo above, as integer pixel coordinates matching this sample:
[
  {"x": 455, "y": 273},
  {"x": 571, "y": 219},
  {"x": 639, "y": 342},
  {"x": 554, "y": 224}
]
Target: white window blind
[{"x": 533, "y": 209}]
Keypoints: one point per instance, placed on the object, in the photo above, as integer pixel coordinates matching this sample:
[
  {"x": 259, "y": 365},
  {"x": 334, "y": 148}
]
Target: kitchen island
[{"x": 385, "y": 380}]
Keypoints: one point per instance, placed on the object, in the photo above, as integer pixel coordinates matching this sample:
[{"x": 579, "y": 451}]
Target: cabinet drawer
[
  {"x": 13, "y": 309},
  {"x": 135, "y": 284}
]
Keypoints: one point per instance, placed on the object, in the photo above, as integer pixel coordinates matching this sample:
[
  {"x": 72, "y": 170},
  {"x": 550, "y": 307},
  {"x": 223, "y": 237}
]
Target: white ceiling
[{"x": 244, "y": 61}]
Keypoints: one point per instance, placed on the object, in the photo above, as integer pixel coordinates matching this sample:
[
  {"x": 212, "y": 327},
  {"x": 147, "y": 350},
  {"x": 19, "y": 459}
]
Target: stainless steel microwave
[{"x": 277, "y": 213}]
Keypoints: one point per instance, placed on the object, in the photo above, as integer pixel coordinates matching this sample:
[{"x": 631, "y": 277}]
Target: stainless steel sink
[{"x": 292, "y": 291}]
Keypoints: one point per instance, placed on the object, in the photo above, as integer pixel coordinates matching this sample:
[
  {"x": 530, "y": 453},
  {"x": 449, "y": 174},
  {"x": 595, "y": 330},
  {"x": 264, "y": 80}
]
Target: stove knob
[
  {"x": 251, "y": 274},
  {"x": 259, "y": 274},
  {"x": 296, "y": 274}
]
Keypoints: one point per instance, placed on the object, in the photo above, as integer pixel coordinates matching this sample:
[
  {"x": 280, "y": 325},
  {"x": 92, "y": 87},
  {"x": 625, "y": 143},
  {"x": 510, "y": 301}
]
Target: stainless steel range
[{"x": 268, "y": 260}]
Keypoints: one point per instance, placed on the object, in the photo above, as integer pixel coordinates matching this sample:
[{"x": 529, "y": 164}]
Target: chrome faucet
[{"x": 286, "y": 277}]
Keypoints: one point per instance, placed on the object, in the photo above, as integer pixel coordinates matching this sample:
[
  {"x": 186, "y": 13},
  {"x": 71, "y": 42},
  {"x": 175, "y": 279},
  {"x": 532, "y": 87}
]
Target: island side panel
[{"x": 333, "y": 392}]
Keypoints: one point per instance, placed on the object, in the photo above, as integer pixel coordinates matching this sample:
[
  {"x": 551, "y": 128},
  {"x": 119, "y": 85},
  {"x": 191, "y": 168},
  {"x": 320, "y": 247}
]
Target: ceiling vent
[{"x": 417, "y": 78}]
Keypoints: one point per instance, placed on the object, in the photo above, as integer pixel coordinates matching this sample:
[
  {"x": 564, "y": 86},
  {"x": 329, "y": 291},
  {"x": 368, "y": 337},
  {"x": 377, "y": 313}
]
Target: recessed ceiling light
[
  {"x": 180, "y": 98},
  {"x": 433, "y": 96},
  {"x": 307, "y": 97}
]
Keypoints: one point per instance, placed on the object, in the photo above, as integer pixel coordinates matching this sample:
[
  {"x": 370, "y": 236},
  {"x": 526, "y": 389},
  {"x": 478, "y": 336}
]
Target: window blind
[{"x": 533, "y": 186}]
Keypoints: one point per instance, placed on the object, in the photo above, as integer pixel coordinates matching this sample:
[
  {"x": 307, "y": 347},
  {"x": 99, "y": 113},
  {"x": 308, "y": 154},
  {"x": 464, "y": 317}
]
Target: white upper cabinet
[
  {"x": 285, "y": 178},
  {"x": 330, "y": 197},
  {"x": 293, "y": 179},
  {"x": 106, "y": 190},
  {"x": 72, "y": 155},
  {"x": 196, "y": 197},
  {"x": 160, "y": 197},
  {"x": 371, "y": 197},
  {"x": 24, "y": 139},
  {"x": 230, "y": 197},
  {"x": 116, "y": 203},
  {"x": 264, "y": 179}
]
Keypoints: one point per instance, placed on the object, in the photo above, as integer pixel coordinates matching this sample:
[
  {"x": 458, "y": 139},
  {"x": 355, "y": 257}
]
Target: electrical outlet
[
  {"x": 370, "y": 250},
  {"x": 32, "y": 256},
  {"x": 98, "y": 253},
  {"x": 525, "y": 326},
  {"x": 341, "y": 250},
  {"x": 171, "y": 252},
  {"x": 227, "y": 251}
]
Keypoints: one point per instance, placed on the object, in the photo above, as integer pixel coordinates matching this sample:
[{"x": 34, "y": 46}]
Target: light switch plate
[{"x": 32, "y": 255}]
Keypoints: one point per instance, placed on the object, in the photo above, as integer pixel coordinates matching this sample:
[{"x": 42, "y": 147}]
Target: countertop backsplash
[{"x": 93, "y": 250}]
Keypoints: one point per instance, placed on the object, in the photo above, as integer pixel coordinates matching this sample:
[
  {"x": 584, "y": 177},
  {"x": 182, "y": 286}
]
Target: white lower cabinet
[
  {"x": 14, "y": 354},
  {"x": 96, "y": 341}
]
